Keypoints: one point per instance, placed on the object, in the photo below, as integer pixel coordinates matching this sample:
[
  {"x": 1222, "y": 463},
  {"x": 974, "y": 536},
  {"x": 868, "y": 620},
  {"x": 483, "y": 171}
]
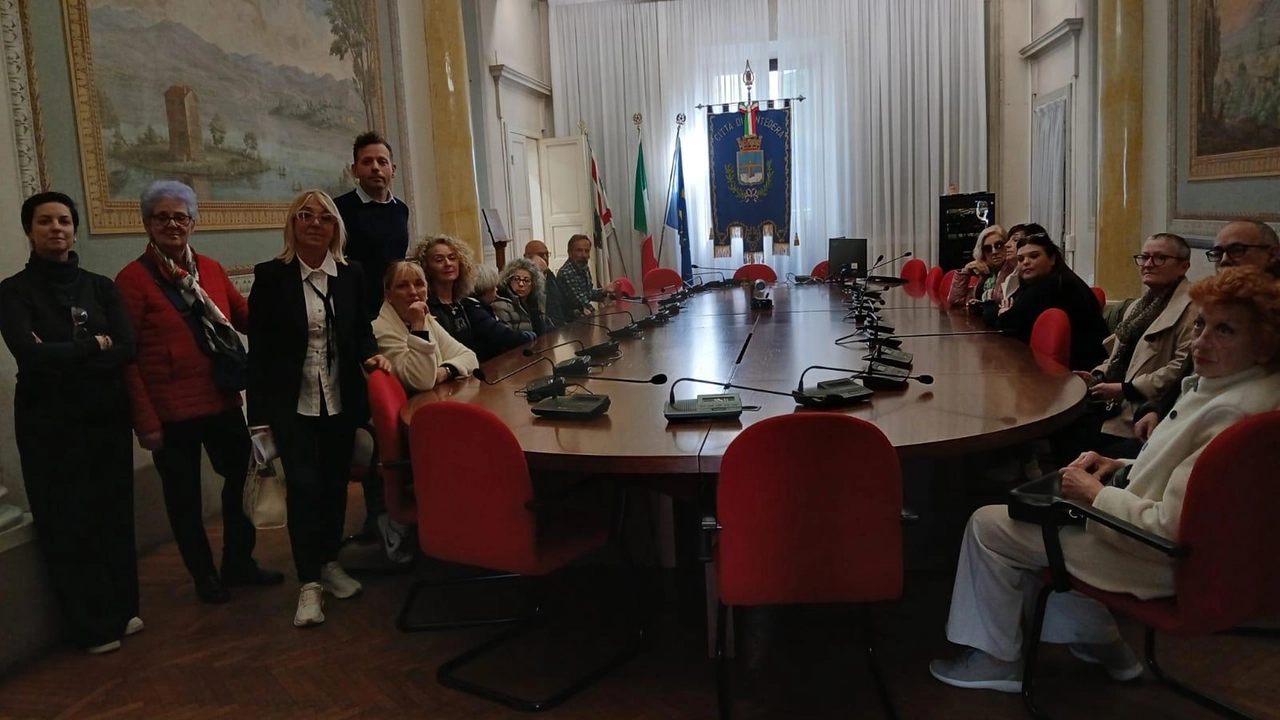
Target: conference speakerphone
[
  {"x": 885, "y": 377},
  {"x": 892, "y": 356},
  {"x": 834, "y": 393},
  {"x": 726, "y": 406},
  {"x": 572, "y": 407}
]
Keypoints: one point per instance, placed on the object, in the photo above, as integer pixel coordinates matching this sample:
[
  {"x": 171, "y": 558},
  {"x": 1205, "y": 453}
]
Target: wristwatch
[{"x": 454, "y": 373}]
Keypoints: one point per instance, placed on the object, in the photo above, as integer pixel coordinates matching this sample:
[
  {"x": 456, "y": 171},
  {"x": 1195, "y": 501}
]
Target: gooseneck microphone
[
  {"x": 879, "y": 262},
  {"x": 658, "y": 379},
  {"x": 530, "y": 352},
  {"x": 831, "y": 393},
  {"x": 481, "y": 375},
  {"x": 536, "y": 389},
  {"x": 723, "y": 406},
  {"x": 631, "y": 329},
  {"x": 949, "y": 334}
]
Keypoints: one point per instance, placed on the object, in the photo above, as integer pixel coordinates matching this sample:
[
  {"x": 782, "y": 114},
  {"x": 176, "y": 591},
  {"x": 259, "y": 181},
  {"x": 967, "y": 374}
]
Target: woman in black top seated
[
  {"x": 448, "y": 265},
  {"x": 1047, "y": 283},
  {"x": 70, "y": 333},
  {"x": 522, "y": 297}
]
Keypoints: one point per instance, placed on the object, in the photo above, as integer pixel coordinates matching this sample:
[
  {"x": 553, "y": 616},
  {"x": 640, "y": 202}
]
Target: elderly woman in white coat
[
  {"x": 1236, "y": 353},
  {"x": 422, "y": 354}
]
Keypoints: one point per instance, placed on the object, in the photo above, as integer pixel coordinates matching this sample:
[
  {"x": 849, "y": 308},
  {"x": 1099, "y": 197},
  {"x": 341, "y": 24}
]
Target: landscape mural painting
[
  {"x": 1235, "y": 88},
  {"x": 247, "y": 101}
]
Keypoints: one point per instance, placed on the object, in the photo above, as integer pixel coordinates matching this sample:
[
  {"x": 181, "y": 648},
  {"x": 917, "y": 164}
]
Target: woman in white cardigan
[
  {"x": 421, "y": 353},
  {"x": 1237, "y": 353}
]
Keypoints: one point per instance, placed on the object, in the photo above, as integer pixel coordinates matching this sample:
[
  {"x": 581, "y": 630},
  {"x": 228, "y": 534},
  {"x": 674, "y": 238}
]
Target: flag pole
[
  {"x": 607, "y": 231},
  {"x": 671, "y": 181}
]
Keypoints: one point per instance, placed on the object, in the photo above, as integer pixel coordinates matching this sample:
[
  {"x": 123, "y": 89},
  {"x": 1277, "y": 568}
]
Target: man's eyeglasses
[
  {"x": 306, "y": 217},
  {"x": 163, "y": 219},
  {"x": 517, "y": 280},
  {"x": 1157, "y": 259},
  {"x": 1235, "y": 251}
]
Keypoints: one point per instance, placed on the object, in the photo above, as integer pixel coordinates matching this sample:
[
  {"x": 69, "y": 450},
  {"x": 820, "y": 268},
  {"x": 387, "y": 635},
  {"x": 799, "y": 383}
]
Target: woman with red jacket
[{"x": 185, "y": 386}]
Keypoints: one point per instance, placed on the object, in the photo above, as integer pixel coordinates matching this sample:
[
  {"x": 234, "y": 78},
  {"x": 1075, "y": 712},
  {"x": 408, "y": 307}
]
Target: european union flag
[{"x": 678, "y": 217}]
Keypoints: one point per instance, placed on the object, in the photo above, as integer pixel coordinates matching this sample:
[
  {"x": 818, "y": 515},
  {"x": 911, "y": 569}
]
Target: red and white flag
[{"x": 604, "y": 219}]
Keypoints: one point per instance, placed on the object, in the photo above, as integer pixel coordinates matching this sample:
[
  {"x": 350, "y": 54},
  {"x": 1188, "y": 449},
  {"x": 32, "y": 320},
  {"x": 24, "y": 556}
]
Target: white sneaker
[
  {"x": 134, "y": 626},
  {"x": 975, "y": 669},
  {"x": 337, "y": 582},
  {"x": 104, "y": 648},
  {"x": 393, "y": 537},
  {"x": 310, "y": 606},
  {"x": 1117, "y": 657}
]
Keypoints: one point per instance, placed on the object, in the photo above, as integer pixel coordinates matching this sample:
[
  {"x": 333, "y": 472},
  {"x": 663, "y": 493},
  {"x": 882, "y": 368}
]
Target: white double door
[{"x": 548, "y": 190}]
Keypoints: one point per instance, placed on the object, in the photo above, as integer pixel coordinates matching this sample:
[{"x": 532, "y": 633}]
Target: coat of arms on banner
[{"x": 750, "y": 175}]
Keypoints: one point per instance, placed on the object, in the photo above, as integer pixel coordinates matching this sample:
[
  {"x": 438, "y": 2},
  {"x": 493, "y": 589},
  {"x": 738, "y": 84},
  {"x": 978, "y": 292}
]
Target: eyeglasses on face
[
  {"x": 163, "y": 219},
  {"x": 1156, "y": 259},
  {"x": 517, "y": 280},
  {"x": 306, "y": 217},
  {"x": 995, "y": 246},
  {"x": 1235, "y": 251}
]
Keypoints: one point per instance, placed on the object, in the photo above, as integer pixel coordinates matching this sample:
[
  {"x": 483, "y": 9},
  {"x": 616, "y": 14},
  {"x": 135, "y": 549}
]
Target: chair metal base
[
  {"x": 1033, "y": 646},
  {"x": 389, "y": 570},
  {"x": 724, "y": 696},
  {"x": 446, "y": 676},
  {"x": 403, "y": 624}
]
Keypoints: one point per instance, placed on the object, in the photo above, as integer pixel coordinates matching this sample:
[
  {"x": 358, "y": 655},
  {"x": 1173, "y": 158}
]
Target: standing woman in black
[
  {"x": 70, "y": 333},
  {"x": 309, "y": 336}
]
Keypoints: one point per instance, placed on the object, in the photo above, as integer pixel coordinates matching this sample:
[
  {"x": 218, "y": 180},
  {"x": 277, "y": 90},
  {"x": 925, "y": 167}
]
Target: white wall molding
[
  {"x": 1067, "y": 30},
  {"x": 22, "y": 96},
  {"x": 511, "y": 76}
]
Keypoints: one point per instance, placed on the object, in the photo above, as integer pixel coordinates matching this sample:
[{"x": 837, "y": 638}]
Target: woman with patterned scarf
[
  {"x": 185, "y": 386},
  {"x": 1147, "y": 349}
]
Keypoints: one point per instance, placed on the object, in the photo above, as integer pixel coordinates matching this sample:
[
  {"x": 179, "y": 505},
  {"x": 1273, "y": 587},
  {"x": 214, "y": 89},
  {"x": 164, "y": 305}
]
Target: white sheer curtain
[
  {"x": 895, "y": 108},
  {"x": 1048, "y": 166}
]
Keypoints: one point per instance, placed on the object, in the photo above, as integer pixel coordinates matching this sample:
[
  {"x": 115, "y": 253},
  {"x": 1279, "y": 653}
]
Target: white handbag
[{"x": 264, "y": 487}]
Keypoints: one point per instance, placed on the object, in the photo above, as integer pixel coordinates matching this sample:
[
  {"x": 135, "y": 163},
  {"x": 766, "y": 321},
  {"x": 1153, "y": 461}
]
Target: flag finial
[
  {"x": 638, "y": 119},
  {"x": 680, "y": 119},
  {"x": 582, "y": 126}
]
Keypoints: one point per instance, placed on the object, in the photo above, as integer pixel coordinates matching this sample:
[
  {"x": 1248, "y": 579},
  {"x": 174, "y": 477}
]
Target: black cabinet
[{"x": 959, "y": 225}]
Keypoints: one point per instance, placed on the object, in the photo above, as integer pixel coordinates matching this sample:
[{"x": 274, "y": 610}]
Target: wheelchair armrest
[
  {"x": 1164, "y": 545},
  {"x": 706, "y": 537}
]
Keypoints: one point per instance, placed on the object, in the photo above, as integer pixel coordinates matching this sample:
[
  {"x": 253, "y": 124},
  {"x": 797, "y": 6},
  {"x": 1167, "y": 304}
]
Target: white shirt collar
[
  {"x": 328, "y": 267},
  {"x": 366, "y": 198}
]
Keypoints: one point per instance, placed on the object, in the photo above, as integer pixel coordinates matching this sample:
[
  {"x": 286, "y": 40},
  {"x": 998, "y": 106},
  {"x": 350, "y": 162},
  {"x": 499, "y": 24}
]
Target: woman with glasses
[
  {"x": 975, "y": 282},
  {"x": 309, "y": 341},
  {"x": 70, "y": 334},
  {"x": 1046, "y": 282},
  {"x": 450, "y": 280},
  {"x": 521, "y": 297},
  {"x": 185, "y": 386}
]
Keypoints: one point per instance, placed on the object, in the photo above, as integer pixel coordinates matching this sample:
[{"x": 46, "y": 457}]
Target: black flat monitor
[{"x": 847, "y": 257}]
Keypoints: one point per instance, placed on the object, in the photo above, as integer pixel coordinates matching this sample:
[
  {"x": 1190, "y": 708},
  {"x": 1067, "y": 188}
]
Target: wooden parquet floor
[{"x": 246, "y": 660}]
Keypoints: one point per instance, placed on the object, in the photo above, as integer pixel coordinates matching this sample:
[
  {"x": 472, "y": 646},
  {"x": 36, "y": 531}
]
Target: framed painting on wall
[
  {"x": 247, "y": 101},
  {"x": 1235, "y": 88},
  {"x": 1223, "y": 114}
]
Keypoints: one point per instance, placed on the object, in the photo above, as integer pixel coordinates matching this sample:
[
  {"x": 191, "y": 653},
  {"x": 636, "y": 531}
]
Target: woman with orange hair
[{"x": 1237, "y": 355}]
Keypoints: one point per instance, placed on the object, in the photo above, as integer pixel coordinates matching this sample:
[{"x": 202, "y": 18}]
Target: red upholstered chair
[
  {"x": 661, "y": 280},
  {"x": 755, "y": 271},
  {"x": 476, "y": 506},
  {"x": 933, "y": 281},
  {"x": 386, "y": 399},
  {"x": 625, "y": 288},
  {"x": 915, "y": 270},
  {"x": 1226, "y": 571},
  {"x": 822, "y": 270},
  {"x": 805, "y": 526},
  {"x": 1102, "y": 297},
  {"x": 1051, "y": 336},
  {"x": 944, "y": 287}
]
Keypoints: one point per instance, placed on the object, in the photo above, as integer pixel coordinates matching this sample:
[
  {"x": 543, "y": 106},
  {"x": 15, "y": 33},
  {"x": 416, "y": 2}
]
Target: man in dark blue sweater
[
  {"x": 377, "y": 233},
  {"x": 377, "y": 222}
]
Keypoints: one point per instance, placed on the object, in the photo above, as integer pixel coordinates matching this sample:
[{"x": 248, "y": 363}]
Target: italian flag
[{"x": 640, "y": 216}]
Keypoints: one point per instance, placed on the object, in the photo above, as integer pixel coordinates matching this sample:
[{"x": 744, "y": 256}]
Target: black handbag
[
  {"x": 1033, "y": 502},
  {"x": 230, "y": 361}
]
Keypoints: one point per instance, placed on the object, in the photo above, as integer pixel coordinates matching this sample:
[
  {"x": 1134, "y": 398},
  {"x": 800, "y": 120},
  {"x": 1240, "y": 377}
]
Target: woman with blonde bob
[
  {"x": 1237, "y": 355},
  {"x": 308, "y": 342},
  {"x": 988, "y": 266},
  {"x": 422, "y": 353},
  {"x": 450, "y": 277}
]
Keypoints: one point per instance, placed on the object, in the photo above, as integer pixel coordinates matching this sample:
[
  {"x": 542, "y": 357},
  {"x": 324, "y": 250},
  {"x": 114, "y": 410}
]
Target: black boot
[{"x": 211, "y": 590}]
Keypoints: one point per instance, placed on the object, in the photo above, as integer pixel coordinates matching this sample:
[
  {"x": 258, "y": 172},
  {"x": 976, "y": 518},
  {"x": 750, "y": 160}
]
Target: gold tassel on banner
[
  {"x": 718, "y": 250},
  {"x": 797, "y": 239}
]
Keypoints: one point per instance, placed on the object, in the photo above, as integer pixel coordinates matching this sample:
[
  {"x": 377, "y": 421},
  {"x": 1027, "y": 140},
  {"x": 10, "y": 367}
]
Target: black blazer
[
  {"x": 1067, "y": 292},
  {"x": 278, "y": 341}
]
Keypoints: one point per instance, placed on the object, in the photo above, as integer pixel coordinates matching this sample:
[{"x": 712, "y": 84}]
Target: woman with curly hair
[
  {"x": 1237, "y": 358},
  {"x": 450, "y": 275},
  {"x": 522, "y": 297}
]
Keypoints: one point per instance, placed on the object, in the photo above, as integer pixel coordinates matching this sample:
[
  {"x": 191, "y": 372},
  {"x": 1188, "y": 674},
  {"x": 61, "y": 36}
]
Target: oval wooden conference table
[{"x": 988, "y": 392}]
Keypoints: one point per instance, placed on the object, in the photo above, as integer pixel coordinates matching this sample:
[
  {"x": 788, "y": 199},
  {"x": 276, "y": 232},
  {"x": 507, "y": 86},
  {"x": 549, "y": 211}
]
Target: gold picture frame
[{"x": 255, "y": 185}]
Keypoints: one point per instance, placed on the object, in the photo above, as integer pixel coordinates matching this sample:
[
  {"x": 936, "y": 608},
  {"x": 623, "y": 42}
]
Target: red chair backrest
[
  {"x": 755, "y": 271},
  {"x": 821, "y": 270},
  {"x": 915, "y": 270},
  {"x": 933, "y": 280},
  {"x": 1229, "y": 521},
  {"x": 625, "y": 288},
  {"x": 660, "y": 280},
  {"x": 1102, "y": 297},
  {"x": 1051, "y": 336},
  {"x": 386, "y": 399},
  {"x": 803, "y": 524},
  {"x": 473, "y": 488}
]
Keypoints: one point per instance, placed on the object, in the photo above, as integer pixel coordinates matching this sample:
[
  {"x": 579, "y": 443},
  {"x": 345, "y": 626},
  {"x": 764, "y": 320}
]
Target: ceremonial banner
[{"x": 750, "y": 177}]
